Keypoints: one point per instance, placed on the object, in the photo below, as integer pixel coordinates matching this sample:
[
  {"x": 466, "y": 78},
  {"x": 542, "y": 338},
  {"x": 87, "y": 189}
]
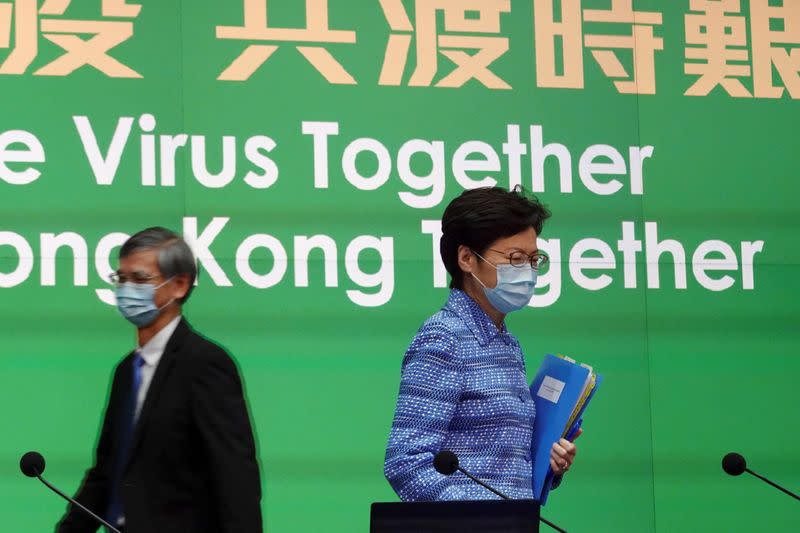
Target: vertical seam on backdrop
[
  {"x": 182, "y": 107},
  {"x": 646, "y": 302}
]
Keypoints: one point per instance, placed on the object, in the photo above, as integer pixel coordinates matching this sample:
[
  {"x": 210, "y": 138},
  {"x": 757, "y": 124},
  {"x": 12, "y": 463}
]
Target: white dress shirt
[{"x": 151, "y": 354}]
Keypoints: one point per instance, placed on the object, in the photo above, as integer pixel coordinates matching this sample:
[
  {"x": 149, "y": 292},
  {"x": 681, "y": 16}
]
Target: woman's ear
[{"x": 466, "y": 259}]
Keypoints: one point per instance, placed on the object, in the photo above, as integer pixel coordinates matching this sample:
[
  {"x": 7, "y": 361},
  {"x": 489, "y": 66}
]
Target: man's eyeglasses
[
  {"x": 520, "y": 259},
  {"x": 117, "y": 278}
]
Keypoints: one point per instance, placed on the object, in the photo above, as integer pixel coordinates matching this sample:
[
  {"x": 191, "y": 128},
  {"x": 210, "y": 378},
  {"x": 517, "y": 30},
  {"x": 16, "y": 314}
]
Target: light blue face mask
[
  {"x": 514, "y": 287},
  {"x": 136, "y": 302}
]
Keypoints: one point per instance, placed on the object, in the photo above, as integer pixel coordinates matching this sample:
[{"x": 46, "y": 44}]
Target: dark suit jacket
[{"x": 192, "y": 466}]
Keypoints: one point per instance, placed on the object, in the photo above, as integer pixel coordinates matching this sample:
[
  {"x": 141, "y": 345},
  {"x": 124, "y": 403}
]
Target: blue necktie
[{"x": 128, "y": 422}]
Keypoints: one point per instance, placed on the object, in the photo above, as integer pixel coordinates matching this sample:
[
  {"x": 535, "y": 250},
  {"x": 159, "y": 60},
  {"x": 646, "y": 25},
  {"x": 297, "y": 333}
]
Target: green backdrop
[{"x": 690, "y": 372}]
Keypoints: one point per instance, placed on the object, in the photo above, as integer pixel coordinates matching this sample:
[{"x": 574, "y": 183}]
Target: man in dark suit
[{"x": 176, "y": 452}]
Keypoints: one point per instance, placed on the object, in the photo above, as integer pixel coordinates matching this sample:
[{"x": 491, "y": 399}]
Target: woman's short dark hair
[
  {"x": 174, "y": 255},
  {"x": 478, "y": 217}
]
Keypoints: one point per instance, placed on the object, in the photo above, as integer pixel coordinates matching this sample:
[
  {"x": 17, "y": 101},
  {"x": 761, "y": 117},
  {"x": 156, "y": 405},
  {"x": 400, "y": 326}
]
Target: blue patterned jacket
[{"x": 463, "y": 388}]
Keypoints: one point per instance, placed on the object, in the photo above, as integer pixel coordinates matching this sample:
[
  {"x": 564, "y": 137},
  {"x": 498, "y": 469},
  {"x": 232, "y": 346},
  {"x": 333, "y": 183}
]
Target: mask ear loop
[
  {"x": 478, "y": 280},
  {"x": 485, "y": 261},
  {"x": 169, "y": 302}
]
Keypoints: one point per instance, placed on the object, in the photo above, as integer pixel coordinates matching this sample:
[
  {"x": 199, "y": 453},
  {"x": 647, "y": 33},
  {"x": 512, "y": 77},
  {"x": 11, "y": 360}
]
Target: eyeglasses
[
  {"x": 520, "y": 259},
  {"x": 117, "y": 278}
]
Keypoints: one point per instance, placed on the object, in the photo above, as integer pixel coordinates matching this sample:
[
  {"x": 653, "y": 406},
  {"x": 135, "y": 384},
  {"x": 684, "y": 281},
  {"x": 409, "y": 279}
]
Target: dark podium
[{"x": 482, "y": 516}]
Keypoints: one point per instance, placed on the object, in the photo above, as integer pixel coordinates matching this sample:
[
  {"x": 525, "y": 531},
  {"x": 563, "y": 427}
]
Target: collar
[
  {"x": 475, "y": 318},
  {"x": 154, "y": 349}
]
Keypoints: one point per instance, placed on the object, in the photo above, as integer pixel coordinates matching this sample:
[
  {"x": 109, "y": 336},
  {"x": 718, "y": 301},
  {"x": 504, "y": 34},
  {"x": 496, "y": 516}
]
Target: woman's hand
[{"x": 562, "y": 454}]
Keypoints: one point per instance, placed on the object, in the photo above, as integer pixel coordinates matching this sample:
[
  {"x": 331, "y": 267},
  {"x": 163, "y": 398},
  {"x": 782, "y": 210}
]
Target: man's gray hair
[{"x": 174, "y": 255}]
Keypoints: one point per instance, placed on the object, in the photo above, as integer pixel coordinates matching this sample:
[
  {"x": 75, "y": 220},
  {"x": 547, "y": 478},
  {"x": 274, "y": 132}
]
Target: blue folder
[{"x": 555, "y": 390}]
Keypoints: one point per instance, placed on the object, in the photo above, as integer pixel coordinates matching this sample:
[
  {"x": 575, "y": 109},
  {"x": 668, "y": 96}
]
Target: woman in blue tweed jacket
[{"x": 463, "y": 386}]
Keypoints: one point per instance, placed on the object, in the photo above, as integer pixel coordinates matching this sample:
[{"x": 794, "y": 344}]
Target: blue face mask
[
  {"x": 136, "y": 302},
  {"x": 514, "y": 287}
]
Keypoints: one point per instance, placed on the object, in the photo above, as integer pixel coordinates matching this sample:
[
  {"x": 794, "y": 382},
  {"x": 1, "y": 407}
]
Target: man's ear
[{"x": 181, "y": 286}]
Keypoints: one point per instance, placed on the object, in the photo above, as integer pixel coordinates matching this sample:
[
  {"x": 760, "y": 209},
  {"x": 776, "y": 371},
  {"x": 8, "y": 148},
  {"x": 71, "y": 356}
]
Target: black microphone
[
  {"x": 734, "y": 464},
  {"x": 32, "y": 465},
  {"x": 446, "y": 462}
]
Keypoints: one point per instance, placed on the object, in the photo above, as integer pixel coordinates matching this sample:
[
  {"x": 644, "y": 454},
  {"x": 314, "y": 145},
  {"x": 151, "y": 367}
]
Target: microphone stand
[
  {"x": 762, "y": 478},
  {"x": 505, "y": 497},
  {"x": 76, "y": 502}
]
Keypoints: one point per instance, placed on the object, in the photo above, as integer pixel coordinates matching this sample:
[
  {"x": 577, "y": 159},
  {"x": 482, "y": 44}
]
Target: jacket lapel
[
  {"x": 163, "y": 370},
  {"x": 121, "y": 396}
]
